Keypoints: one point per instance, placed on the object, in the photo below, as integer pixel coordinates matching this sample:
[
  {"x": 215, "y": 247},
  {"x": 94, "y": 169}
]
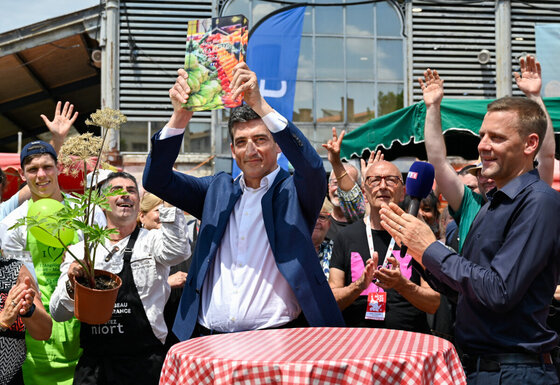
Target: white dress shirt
[
  {"x": 153, "y": 253},
  {"x": 243, "y": 289}
]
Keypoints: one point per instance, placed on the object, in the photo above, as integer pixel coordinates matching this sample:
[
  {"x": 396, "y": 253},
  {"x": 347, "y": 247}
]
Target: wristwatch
[{"x": 29, "y": 312}]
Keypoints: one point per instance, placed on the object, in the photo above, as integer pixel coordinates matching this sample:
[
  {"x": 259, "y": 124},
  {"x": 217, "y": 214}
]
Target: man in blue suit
[{"x": 254, "y": 266}]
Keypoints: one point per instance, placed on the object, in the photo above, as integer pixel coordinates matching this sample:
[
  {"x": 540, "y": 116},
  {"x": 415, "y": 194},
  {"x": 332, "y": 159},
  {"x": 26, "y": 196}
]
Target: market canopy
[{"x": 407, "y": 124}]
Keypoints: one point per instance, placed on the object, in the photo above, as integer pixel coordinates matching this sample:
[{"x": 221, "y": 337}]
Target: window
[{"x": 351, "y": 64}]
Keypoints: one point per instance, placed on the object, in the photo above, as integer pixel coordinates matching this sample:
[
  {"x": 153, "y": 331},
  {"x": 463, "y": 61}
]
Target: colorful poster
[{"x": 214, "y": 47}]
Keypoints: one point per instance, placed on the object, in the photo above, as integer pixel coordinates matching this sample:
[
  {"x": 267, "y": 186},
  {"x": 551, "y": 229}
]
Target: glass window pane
[
  {"x": 328, "y": 20},
  {"x": 133, "y": 137},
  {"x": 226, "y": 149},
  {"x": 262, "y": 9},
  {"x": 238, "y": 7},
  {"x": 322, "y": 135},
  {"x": 305, "y": 61},
  {"x": 390, "y": 61},
  {"x": 329, "y": 58},
  {"x": 361, "y": 102},
  {"x": 308, "y": 20},
  {"x": 303, "y": 102},
  {"x": 359, "y": 59},
  {"x": 330, "y": 99},
  {"x": 388, "y": 20},
  {"x": 389, "y": 97},
  {"x": 197, "y": 137},
  {"x": 359, "y": 20}
]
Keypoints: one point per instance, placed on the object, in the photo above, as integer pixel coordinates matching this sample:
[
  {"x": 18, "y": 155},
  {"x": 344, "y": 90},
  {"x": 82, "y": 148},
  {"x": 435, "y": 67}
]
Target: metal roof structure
[{"x": 40, "y": 64}]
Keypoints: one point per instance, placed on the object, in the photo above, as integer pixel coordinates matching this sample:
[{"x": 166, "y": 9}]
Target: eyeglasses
[
  {"x": 323, "y": 217},
  {"x": 390, "y": 180}
]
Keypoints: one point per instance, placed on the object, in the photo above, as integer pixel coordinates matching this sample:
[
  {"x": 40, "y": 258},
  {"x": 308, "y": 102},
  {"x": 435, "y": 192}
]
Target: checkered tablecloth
[{"x": 321, "y": 356}]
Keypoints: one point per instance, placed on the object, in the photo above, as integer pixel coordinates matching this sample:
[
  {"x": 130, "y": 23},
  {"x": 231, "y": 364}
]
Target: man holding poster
[{"x": 254, "y": 266}]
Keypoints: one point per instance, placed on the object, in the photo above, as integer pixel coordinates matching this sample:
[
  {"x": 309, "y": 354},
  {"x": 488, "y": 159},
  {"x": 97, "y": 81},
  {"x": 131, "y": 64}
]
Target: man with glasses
[{"x": 399, "y": 298}]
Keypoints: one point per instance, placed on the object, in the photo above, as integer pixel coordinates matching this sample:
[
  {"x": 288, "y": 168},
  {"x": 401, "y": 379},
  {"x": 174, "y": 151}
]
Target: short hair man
[
  {"x": 509, "y": 267},
  {"x": 464, "y": 203},
  {"x": 254, "y": 265},
  {"x": 59, "y": 128},
  {"x": 54, "y": 360},
  {"x": 131, "y": 348},
  {"x": 344, "y": 190},
  {"x": 355, "y": 260}
]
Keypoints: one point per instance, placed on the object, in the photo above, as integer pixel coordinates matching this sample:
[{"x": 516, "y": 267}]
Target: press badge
[{"x": 376, "y": 306}]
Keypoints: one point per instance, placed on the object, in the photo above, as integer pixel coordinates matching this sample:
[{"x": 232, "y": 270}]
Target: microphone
[{"x": 419, "y": 182}]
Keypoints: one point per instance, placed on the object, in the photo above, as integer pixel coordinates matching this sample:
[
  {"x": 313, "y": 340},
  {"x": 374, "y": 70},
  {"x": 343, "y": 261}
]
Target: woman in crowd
[
  {"x": 20, "y": 309},
  {"x": 148, "y": 218}
]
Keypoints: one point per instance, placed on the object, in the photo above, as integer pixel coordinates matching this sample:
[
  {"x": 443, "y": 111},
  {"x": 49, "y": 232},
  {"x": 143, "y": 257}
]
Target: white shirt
[
  {"x": 153, "y": 253},
  {"x": 243, "y": 289}
]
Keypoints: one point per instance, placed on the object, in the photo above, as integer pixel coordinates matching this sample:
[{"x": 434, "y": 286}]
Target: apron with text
[{"x": 125, "y": 349}]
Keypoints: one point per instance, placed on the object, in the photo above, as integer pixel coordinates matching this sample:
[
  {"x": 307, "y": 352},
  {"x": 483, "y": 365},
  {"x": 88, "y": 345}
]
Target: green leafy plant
[{"x": 78, "y": 214}]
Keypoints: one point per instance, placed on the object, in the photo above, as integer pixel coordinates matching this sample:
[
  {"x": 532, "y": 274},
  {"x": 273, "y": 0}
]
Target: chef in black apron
[{"x": 125, "y": 349}]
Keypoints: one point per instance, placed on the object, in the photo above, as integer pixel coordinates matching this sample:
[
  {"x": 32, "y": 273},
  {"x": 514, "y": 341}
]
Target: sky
[{"x": 18, "y": 13}]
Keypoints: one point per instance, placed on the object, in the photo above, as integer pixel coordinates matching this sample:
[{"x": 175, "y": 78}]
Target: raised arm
[
  {"x": 448, "y": 181},
  {"x": 530, "y": 82},
  {"x": 345, "y": 182}
]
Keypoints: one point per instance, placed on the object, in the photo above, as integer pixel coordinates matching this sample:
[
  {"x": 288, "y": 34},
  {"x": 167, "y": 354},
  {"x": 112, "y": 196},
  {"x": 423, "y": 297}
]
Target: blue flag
[{"x": 273, "y": 53}]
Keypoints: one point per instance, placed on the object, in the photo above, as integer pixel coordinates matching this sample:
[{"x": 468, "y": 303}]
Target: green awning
[{"x": 407, "y": 124}]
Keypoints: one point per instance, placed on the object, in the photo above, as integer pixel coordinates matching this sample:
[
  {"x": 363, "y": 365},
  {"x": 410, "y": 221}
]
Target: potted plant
[{"x": 54, "y": 223}]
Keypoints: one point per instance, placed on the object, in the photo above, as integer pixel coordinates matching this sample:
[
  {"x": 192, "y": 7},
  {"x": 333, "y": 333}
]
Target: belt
[
  {"x": 299, "y": 322},
  {"x": 492, "y": 362}
]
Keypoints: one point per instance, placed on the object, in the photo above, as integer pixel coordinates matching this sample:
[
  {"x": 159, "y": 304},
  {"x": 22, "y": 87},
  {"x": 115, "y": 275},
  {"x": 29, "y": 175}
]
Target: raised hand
[
  {"x": 530, "y": 81},
  {"x": 432, "y": 87},
  {"x": 376, "y": 156},
  {"x": 333, "y": 146},
  {"x": 179, "y": 93},
  {"x": 61, "y": 123},
  {"x": 245, "y": 81}
]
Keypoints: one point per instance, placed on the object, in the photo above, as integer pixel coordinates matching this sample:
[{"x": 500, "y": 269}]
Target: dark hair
[
  {"x": 240, "y": 114},
  {"x": 119, "y": 174},
  {"x": 531, "y": 118}
]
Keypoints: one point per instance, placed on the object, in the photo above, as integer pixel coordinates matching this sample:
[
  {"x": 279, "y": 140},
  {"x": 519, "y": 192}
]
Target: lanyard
[{"x": 370, "y": 243}]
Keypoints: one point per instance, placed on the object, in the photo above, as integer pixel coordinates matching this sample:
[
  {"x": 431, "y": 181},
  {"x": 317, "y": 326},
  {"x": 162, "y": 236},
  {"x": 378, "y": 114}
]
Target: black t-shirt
[
  {"x": 335, "y": 228},
  {"x": 351, "y": 244}
]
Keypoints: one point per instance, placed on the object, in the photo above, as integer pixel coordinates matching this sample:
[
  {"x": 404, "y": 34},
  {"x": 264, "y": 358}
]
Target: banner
[
  {"x": 273, "y": 53},
  {"x": 547, "y": 38}
]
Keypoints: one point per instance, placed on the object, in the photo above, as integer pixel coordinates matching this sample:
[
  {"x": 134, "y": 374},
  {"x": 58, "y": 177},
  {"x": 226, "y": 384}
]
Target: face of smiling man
[
  {"x": 254, "y": 150},
  {"x": 41, "y": 175},
  {"x": 124, "y": 208}
]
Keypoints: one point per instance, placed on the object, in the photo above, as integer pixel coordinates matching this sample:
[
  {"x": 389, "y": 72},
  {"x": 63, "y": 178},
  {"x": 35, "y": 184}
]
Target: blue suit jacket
[{"x": 290, "y": 209}]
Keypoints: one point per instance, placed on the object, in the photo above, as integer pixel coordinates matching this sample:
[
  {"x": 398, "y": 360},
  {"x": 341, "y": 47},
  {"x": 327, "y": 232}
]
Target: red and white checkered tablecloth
[{"x": 322, "y": 356}]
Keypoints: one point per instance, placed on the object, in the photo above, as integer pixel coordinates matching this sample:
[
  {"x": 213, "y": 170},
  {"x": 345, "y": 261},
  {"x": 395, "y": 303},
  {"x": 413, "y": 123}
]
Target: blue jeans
[{"x": 516, "y": 374}]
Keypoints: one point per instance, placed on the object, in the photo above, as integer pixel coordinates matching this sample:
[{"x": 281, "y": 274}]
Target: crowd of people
[{"x": 273, "y": 249}]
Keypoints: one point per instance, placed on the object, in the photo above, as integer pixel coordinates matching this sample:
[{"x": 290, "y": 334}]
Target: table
[{"x": 319, "y": 356}]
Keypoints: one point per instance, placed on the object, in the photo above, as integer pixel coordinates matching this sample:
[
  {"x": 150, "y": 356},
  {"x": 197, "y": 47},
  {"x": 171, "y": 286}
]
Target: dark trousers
[
  {"x": 516, "y": 374},
  {"x": 112, "y": 370}
]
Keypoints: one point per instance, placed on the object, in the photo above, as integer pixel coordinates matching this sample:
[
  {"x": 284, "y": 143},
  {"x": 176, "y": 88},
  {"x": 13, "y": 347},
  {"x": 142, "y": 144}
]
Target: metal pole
[
  {"x": 110, "y": 63},
  {"x": 19, "y": 141},
  {"x": 503, "y": 48}
]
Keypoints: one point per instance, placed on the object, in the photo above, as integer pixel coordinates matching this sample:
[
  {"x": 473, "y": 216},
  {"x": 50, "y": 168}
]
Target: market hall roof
[{"x": 43, "y": 63}]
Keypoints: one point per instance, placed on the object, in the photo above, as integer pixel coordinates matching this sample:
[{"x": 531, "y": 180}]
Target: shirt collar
[
  {"x": 266, "y": 181},
  {"x": 516, "y": 185}
]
